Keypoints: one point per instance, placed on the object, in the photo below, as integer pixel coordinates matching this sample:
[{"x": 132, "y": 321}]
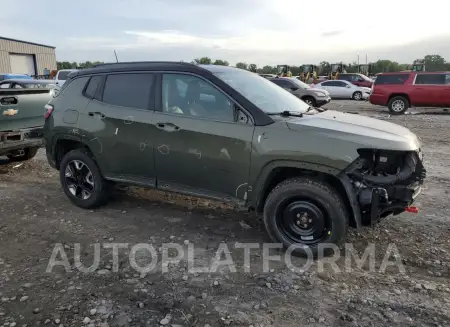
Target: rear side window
[
  {"x": 345, "y": 77},
  {"x": 431, "y": 79},
  {"x": 392, "y": 79},
  {"x": 92, "y": 86},
  {"x": 130, "y": 90},
  {"x": 282, "y": 83}
]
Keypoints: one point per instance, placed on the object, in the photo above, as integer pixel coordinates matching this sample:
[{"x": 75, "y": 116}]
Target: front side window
[
  {"x": 340, "y": 84},
  {"x": 331, "y": 83},
  {"x": 192, "y": 96},
  {"x": 130, "y": 90},
  {"x": 431, "y": 79},
  {"x": 264, "y": 94}
]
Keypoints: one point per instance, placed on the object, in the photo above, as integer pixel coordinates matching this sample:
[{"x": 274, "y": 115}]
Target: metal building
[{"x": 21, "y": 57}]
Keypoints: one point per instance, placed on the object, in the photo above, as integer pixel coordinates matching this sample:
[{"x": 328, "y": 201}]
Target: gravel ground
[{"x": 36, "y": 215}]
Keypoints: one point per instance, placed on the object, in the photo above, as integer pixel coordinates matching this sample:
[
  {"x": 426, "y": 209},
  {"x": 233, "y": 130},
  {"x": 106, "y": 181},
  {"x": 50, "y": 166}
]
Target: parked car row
[{"x": 313, "y": 97}]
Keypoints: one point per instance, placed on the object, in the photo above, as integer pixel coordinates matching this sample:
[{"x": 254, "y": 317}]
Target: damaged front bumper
[{"x": 377, "y": 194}]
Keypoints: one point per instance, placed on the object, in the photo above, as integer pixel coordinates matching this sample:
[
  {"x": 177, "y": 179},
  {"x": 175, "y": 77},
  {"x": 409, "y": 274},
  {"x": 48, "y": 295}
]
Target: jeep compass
[{"x": 231, "y": 135}]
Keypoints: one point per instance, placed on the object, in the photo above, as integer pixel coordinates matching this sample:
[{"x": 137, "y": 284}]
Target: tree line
[{"x": 433, "y": 62}]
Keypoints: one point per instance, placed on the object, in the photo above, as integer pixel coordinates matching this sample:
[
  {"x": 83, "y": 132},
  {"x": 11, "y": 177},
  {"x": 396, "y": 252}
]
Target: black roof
[
  {"x": 153, "y": 65},
  {"x": 139, "y": 65},
  {"x": 32, "y": 43}
]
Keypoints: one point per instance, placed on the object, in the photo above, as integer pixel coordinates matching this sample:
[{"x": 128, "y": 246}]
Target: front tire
[
  {"x": 357, "y": 96},
  {"x": 398, "y": 105},
  {"x": 310, "y": 101},
  {"x": 82, "y": 181},
  {"x": 306, "y": 214}
]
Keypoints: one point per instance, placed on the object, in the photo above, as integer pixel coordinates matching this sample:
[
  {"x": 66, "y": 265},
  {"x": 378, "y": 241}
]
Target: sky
[{"x": 263, "y": 32}]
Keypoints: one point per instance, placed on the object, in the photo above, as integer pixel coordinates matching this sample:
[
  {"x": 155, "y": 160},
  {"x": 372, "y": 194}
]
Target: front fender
[{"x": 260, "y": 182}]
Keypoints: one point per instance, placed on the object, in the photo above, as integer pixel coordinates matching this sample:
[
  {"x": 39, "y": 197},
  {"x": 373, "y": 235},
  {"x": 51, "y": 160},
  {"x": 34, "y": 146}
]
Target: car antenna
[{"x": 117, "y": 60}]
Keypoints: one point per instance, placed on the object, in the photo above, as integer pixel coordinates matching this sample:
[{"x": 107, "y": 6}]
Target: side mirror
[
  {"x": 348, "y": 86},
  {"x": 294, "y": 88}
]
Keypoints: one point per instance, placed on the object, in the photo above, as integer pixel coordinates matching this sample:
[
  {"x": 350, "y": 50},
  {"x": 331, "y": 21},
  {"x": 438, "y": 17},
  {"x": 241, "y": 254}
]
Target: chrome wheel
[
  {"x": 308, "y": 102},
  {"x": 79, "y": 179},
  {"x": 357, "y": 96},
  {"x": 398, "y": 106}
]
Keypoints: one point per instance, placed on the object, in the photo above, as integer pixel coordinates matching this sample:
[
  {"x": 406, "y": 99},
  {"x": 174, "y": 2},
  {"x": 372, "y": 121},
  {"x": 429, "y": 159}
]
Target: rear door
[
  {"x": 428, "y": 90},
  {"x": 331, "y": 87},
  {"x": 344, "y": 90},
  {"x": 119, "y": 127},
  {"x": 203, "y": 143}
]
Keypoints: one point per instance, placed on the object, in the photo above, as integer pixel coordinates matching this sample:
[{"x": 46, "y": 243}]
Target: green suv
[{"x": 231, "y": 135}]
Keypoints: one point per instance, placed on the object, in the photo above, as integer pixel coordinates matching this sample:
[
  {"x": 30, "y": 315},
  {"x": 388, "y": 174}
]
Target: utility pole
[
  {"x": 358, "y": 58},
  {"x": 366, "y": 59},
  {"x": 117, "y": 60}
]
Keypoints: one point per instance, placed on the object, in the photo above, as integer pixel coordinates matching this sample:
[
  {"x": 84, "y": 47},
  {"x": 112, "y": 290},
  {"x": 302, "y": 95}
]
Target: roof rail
[{"x": 142, "y": 62}]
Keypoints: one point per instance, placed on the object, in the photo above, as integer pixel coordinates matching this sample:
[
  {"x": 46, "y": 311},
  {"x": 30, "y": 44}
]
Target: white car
[
  {"x": 61, "y": 76},
  {"x": 339, "y": 89}
]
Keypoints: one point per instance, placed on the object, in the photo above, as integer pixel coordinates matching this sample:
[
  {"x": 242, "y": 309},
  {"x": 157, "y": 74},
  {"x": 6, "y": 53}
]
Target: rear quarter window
[
  {"x": 73, "y": 87},
  {"x": 92, "y": 86},
  {"x": 392, "y": 79}
]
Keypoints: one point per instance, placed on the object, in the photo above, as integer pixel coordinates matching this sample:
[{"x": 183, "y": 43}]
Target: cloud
[
  {"x": 331, "y": 33},
  {"x": 259, "y": 31}
]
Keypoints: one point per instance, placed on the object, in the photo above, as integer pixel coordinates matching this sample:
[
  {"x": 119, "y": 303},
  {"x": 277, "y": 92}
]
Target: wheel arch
[
  {"x": 393, "y": 95},
  {"x": 276, "y": 172},
  {"x": 62, "y": 144}
]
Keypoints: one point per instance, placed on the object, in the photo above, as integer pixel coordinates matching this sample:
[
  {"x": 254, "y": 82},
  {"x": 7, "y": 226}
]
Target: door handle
[
  {"x": 167, "y": 126},
  {"x": 92, "y": 114},
  {"x": 7, "y": 101}
]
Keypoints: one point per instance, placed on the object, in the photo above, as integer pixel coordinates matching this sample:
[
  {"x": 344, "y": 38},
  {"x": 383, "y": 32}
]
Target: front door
[
  {"x": 120, "y": 127},
  {"x": 203, "y": 143}
]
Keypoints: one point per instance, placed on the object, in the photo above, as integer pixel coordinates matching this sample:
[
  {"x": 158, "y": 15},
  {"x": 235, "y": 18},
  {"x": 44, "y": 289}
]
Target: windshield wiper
[{"x": 286, "y": 113}]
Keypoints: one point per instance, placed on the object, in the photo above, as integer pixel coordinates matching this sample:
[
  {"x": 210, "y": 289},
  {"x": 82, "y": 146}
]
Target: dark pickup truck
[{"x": 21, "y": 121}]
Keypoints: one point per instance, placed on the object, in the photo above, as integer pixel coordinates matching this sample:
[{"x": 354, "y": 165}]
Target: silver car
[
  {"x": 312, "y": 96},
  {"x": 344, "y": 90}
]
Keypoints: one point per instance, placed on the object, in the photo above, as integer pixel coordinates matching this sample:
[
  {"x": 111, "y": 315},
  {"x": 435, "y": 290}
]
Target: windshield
[
  {"x": 299, "y": 83},
  {"x": 263, "y": 93}
]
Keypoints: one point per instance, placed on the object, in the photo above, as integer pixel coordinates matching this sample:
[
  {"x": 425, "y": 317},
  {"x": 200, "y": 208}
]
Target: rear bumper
[
  {"x": 18, "y": 140},
  {"x": 379, "y": 100}
]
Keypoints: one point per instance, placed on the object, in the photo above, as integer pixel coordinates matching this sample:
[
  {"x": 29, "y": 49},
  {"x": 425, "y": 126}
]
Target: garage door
[{"x": 22, "y": 64}]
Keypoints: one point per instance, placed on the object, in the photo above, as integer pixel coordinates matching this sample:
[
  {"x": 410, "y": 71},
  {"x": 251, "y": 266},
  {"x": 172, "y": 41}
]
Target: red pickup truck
[{"x": 402, "y": 90}]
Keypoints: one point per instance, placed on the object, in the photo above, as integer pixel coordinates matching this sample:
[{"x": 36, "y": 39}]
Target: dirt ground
[{"x": 35, "y": 215}]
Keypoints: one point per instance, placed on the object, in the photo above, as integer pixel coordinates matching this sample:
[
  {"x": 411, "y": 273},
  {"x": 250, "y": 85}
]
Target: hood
[{"x": 362, "y": 131}]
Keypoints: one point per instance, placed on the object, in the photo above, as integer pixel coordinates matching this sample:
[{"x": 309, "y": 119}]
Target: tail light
[{"x": 49, "y": 110}]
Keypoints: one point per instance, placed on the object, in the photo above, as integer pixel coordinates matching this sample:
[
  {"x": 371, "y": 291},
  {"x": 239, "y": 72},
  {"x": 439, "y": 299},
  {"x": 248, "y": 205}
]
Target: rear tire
[
  {"x": 398, "y": 105},
  {"x": 95, "y": 184},
  {"x": 310, "y": 101},
  {"x": 357, "y": 96},
  {"x": 305, "y": 213},
  {"x": 30, "y": 153}
]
